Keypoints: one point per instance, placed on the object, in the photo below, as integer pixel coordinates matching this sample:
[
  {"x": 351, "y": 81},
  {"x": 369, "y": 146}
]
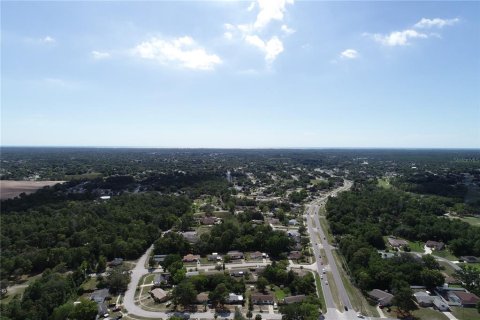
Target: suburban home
[
  {"x": 161, "y": 280},
  {"x": 434, "y": 245},
  {"x": 209, "y": 221},
  {"x": 159, "y": 295},
  {"x": 159, "y": 258},
  {"x": 424, "y": 299},
  {"x": 191, "y": 258},
  {"x": 235, "y": 298},
  {"x": 294, "y": 299},
  {"x": 469, "y": 259},
  {"x": 383, "y": 298},
  {"x": 397, "y": 243},
  {"x": 439, "y": 304},
  {"x": 465, "y": 299},
  {"x": 274, "y": 221},
  {"x": 238, "y": 273},
  {"x": 260, "y": 298},
  {"x": 293, "y": 234},
  {"x": 190, "y": 236},
  {"x": 256, "y": 255},
  {"x": 102, "y": 309},
  {"x": 116, "y": 262},
  {"x": 257, "y": 221},
  {"x": 235, "y": 255},
  {"x": 294, "y": 255},
  {"x": 99, "y": 296},
  {"x": 202, "y": 297},
  {"x": 214, "y": 257},
  {"x": 292, "y": 222}
]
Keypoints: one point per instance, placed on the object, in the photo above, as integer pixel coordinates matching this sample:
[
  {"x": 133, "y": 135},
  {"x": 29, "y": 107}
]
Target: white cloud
[
  {"x": 48, "y": 39},
  {"x": 270, "y": 10},
  {"x": 251, "y": 6},
  {"x": 398, "y": 38},
  {"x": 271, "y": 48},
  {"x": 287, "y": 30},
  {"x": 98, "y": 55},
  {"x": 425, "y": 23},
  {"x": 228, "y": 35},
  {"x": 349, "y": 54},
  {"x": 183, "y": 51}
]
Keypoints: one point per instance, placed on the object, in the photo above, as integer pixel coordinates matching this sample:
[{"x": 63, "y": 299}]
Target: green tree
[
  {"x": 258, "y": 317},
  {"x": 432, "y": 278},
  {"x": 86, "y": 309},
  {"x": 219, "y": 295},
  {"x": 184, "y": 293},
  {"x": 470, "y": 277},
  {"x": 118, "y": 279},
  {"x": 403, "y": 299},
  {"x": 102, "y": 264},
  {"x": 262, "y": 283},
  {"x": 249, "y": 314}
]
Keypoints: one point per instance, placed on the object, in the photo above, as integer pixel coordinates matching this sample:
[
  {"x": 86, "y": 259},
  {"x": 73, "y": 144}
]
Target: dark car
[{"x": 346, "y": 308}]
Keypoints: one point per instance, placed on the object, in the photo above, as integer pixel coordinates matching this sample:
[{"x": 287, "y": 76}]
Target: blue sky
[{"x": 241, "y": 74}]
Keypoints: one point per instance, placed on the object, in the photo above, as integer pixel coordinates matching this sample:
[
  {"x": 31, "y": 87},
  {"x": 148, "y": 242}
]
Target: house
[
  {"x": 294, "y": 255},
  {"x": 424, "y": 299},
  {"x": 159, "y": 258},
  {"x": 256, "y": 221},
  {"x": 434, "y": 245},
  {"x": 235, "y": 255},
  {"x": 116, "y": 262},
  {"x": 465, "y": 299},
  {"x": 161, "y": 280},
  {"x": 214, "y": 257},
  {"x": 260, "y": 298},
  {"x": 102, "y": 309},
  {"x": 439, "y": 304},
  {"x": 202, "y": 297},
  {"x": 99, "y": 296},
  {"x": 256, "y": 255},
  {"x": 383, "y": 298},
  {"x": 274, "y": 221},
  {"x": 292, "y": 222},
  {"x": 190, "y": 236},
  {"x": 234, "y": 298},
  {"x": 209, "y": 221},
  {"x": 191, "y": 258},
  {"x": 159, "y": 295},
  {"x": 293, "y": 234},
  {"x": 238, "y": 273},
  {"x": 469, "y": 259},
  {"x": 397, "y": 243},
  {"x": 294, "y": 299}
]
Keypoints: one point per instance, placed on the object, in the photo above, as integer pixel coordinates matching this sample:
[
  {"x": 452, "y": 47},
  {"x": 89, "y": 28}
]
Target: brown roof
[
  {"x": 434, "y": 244},
  {"x": 158, "y": 294},
  {"x": 384, "y": 298},
  {"x": 467, "y": 297},
  {"x": 397, "y": 242},
  {"x": 262, "y": 297},
  {"x": 294, "y": 299},
  {"x": 191, "y": 257},
  {"x": 202, "y": 297},
  {"x": 208, "y": 220},
  {"x": 256, "y": 254},
  {"x": 294, "y": 255}
]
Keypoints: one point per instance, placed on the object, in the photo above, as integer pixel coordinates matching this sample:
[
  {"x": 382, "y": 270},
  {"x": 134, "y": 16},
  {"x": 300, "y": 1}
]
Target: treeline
[
  {"x": 228, "y": 236},
  {"x": 359, "y": 219},
  {"x": 72, "y": 232}
]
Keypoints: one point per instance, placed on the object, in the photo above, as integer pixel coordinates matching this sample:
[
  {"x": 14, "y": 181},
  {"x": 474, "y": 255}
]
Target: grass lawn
[
  {"x": 279, "y": 294},
  {"x": 334, "y": 290},
  {"x": 475, "y": 265},
  {"x": 384, "y": 183},
  {"x": 465, "y": 313},
  {"x": 320, "y": 292},
  {"x": 470, "y": 220},
  {"x": 445, "y": 254},
  {"x": 90, "y": 284},
  {"x": 446, "y": 268},
  {"x": 429, "y": 314},
  {"x": 356, "y": 297},
  {"x": 326, "y": 229},
  {"x": 416, "y": 246}
]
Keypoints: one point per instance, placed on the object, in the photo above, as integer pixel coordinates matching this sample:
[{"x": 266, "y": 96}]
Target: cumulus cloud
[
  {"x": 183, "y": 52},
  {"x": 99, "y": 55},
  {"x": 398, "y": 38},
  {"x": 425, "y": 23},
  {"x": 349, "y": 54},
  {"x": 47, "y": 39},
  {"x": 287, "y": 30},
  {"x": 271, "y": 48},
  {"x": 270, "y": 10}
]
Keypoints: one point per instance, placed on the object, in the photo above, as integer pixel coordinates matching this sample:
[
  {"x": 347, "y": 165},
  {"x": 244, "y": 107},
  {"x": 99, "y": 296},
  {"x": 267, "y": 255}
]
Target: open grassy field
[
  {"x": 320, "y": 292},
  {"x": 465, "y": 313},
  {"x": 416, "y": 246},
  {"x": 384, "y": 183},
  {"x": 11, "y": 189},
  {"x": 429, "y": 314},
  {"x": 445, "y": 254},
  {"x": 474, "y": 221}
]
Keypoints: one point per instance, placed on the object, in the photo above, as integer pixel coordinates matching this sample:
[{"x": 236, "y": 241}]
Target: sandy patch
[{"x": 10, "y": 189}]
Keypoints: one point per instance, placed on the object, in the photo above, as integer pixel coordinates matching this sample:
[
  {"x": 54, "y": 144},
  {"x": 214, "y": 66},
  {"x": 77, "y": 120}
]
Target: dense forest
[{"x": 360, "y": 219}]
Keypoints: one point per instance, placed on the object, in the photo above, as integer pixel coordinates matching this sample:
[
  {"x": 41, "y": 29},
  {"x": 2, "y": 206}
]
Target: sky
[{"x": 247, "y": 74}]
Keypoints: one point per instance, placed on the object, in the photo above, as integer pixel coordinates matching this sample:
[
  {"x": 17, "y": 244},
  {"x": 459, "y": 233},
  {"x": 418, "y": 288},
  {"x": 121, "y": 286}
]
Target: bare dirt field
[{"x": 11, "y": 189}]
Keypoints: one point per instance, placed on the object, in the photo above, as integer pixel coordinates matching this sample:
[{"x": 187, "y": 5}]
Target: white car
[{"x": 326, "y": 283}]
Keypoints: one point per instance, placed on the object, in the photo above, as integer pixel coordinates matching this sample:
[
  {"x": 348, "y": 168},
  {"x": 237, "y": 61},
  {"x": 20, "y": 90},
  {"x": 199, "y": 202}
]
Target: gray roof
[
  {"x": 383, "y": 297},
  {"x": 99, "y": 295}
]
